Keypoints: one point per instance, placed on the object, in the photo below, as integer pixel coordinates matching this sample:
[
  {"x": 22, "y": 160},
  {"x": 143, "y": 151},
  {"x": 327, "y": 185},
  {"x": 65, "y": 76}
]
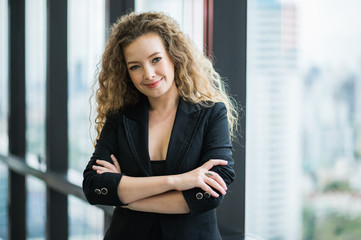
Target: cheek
[
  {"x": 135, "y": 78},
  {"x": 169, "y": 69},
  {"x": 171, "y": 73}
]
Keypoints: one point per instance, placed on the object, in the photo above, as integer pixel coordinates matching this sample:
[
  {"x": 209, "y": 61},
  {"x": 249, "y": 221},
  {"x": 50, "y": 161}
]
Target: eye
[
  {"x": 134, "y": 67},
  {"x": 157, "y": 59}
]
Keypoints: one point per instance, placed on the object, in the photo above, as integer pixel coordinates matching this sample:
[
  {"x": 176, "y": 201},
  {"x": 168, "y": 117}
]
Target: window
[
  {"x": 3, "y": 201},
  {"x": 35, "y": 78},
  {"x": 4, "y": 138},
  {"x": 35, "y": 208},
  {"x": 303, "y": 119},
  {"x": 86, "y": 39},
  {"x": 85, "y": 221}
]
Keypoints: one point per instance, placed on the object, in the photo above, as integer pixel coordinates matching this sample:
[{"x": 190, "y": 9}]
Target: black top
[{"x": 158, "y": 167}]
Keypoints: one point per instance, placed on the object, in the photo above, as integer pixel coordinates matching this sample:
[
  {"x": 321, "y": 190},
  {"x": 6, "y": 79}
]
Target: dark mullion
[
  {"x": 57, "y": 116},
  {"x": 17, "y": 121},
  {"x": 229, "y": 45},
  {"x": 208, "y": 6},
  {"x": 114, "y": 9}
]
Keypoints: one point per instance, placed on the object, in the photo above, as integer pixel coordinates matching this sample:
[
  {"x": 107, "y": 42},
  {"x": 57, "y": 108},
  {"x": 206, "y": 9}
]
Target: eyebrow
[{"x": 133, "y": 62}]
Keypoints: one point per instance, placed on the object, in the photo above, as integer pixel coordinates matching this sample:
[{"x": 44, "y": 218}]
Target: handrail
[{"x": 53, "y": 180}]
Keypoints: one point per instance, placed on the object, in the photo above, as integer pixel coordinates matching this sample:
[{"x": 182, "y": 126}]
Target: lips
[{"x": 153, "y": 84}]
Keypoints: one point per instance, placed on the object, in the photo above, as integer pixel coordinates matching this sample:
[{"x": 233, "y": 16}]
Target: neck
[{"x": 167, "y": 102}]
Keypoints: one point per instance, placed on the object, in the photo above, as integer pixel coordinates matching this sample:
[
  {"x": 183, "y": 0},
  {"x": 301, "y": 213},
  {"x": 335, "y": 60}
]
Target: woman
[{"x": 163, "y": 155}]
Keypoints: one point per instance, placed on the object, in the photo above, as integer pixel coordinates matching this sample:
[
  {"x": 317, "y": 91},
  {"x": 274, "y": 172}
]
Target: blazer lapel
[
  {"x": 136, "y": 129},
  {"x": 185, "y": 126}
]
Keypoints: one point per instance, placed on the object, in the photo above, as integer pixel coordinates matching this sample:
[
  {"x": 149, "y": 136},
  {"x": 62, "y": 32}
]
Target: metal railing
[{"x": 55, "y": 181}]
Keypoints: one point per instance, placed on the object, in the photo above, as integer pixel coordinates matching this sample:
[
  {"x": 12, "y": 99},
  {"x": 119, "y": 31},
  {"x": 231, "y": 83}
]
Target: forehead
[{"x": 143, "y": 47}]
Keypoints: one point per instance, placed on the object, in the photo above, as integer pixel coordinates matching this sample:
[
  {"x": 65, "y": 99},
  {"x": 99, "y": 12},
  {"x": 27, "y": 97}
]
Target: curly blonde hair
[{"x": 195, "y": 77}]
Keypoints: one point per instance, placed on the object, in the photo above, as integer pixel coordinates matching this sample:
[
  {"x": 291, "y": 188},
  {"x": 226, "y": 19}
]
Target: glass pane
[
  {"x": 188, "y": 13},
  {"x": 86, "y": 40},
  {"x": 4, "y": 138},
  {"x": 35, "y": 208},
  {"x": 3, "y": 201},
  {"x": 35, "y": 60},
  {"x": 303, "y": 119},
  {"x": 85, "y": 221}
]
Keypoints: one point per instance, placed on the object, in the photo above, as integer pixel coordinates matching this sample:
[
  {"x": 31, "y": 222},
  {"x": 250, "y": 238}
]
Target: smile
[{"x": 153, "y": 84}]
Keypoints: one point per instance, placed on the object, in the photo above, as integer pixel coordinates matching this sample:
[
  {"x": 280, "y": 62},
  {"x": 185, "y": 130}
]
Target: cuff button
[
  {"x": 104, "y": 191},
  {"x": 199, "y": 195},
  {"x": 97, "y": 191},
  {"x": 207, "y": 194}
]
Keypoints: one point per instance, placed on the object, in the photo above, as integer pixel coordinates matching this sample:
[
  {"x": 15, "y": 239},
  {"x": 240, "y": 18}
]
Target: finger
[
  {"x": 208, "y": 189},
  {"x": 105, "y": 169},
  {"x": 115, "y": 161},
  {"x": 105, "y": 164},
  {"x": 98, "y": 171},
  {"x": 213, "y": 183},
  {"x": 214, "y": 162},
  {"x": 218, "y": 178}
]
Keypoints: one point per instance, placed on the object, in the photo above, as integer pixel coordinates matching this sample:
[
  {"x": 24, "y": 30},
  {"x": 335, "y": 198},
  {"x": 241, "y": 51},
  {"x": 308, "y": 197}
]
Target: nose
[{"x": 149, "y": 72}]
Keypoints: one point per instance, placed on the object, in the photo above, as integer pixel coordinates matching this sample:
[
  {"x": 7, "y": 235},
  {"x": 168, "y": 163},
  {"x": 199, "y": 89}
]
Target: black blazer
[{"x": 199, "y": 134}]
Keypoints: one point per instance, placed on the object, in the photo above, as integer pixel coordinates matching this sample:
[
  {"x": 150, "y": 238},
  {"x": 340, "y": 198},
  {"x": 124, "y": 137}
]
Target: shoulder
[
  {"x": 216, "y": 111},
  {"x": 113, "y": 119},
  {"x": 205, "y": 106},
  {"x": 213, "y": 108},
  {"x": 207, "y": 111},
  {"x": 130, "y": 111}
]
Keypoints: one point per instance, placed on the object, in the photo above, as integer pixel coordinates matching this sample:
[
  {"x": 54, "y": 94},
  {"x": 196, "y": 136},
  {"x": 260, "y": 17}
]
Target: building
[{"x": 273, "y": 205}]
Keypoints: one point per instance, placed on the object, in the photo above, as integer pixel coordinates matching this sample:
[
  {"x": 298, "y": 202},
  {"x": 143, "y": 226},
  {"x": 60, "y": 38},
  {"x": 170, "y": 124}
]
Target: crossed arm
[{"x": 163, "y": 194}]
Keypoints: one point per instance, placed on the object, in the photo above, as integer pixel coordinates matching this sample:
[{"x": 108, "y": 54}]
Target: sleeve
[
  {"x": 216, "y": 145},
  {"x": 103, "y": 188}
]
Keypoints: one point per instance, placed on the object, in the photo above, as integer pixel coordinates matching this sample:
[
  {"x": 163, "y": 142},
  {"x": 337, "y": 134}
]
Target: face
[{"x": 149, "y": 66}]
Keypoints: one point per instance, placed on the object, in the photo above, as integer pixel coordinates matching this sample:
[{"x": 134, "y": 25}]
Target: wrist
[{"x": 172, "y": 181}]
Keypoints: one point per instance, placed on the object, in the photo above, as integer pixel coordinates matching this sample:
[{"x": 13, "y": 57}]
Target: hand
[
  {"x": 203, "y": 178},
  {"x": 106, "y": 166}
]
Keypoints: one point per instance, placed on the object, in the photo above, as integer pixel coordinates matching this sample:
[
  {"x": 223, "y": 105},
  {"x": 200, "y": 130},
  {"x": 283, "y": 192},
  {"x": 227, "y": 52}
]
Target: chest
[{"x": 159, "y": 134}]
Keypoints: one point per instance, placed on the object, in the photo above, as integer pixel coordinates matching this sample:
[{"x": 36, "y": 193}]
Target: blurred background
[{"x": 296, "y": 72}]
